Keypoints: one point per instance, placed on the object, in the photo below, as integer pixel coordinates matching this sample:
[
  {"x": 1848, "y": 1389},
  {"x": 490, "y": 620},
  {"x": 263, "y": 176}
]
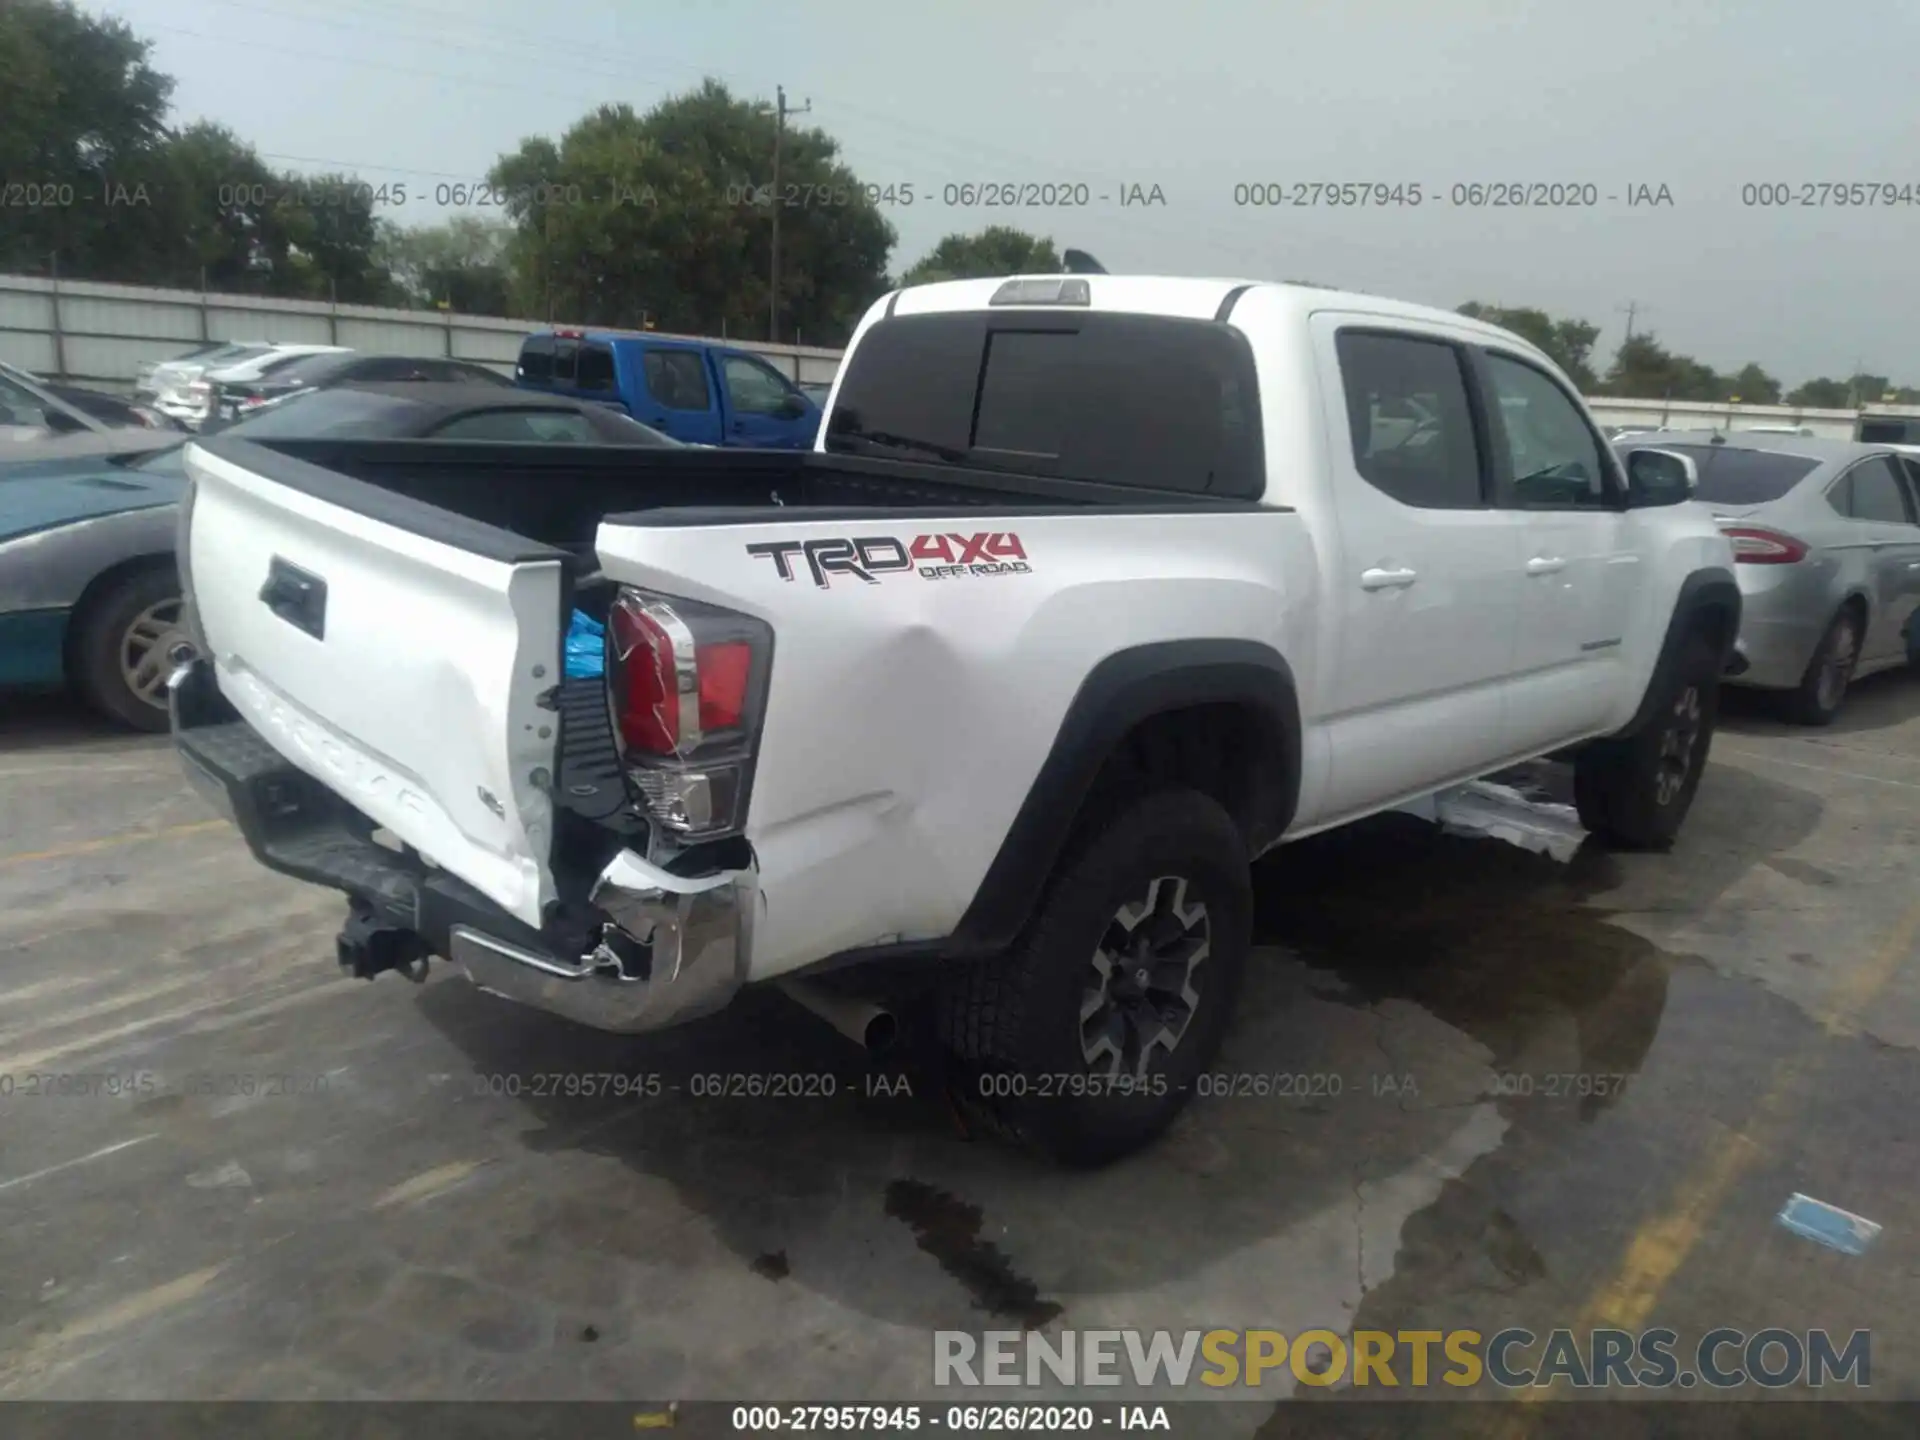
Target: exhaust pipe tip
[
  {"x": 881, "y": 1033},
  {"x": 872, "y": 1027}
]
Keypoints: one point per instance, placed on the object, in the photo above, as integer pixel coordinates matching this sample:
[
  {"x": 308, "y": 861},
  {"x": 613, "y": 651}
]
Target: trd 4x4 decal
[{"x": 935, "y": 557}]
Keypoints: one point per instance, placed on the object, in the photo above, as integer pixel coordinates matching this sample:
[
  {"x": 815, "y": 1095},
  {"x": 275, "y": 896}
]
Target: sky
[{"x": 1705, "y": 98}]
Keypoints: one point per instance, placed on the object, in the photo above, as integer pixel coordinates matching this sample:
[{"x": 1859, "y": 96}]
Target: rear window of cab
[{"x": 1149, "y": 401}]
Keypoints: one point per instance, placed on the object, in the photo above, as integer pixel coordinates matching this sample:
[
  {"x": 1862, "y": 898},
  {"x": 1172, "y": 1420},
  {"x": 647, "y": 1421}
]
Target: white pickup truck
[{"x": 1095, "y": 588}]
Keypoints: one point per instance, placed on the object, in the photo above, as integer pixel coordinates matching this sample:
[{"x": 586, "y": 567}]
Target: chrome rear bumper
[
  {"x": 697, "y": 932},
  {"x": 671, "y": 947}
]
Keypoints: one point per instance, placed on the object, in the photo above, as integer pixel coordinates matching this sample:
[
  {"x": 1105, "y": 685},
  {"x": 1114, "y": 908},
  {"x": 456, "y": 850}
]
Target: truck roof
[{"x": 1188, "y": 297}]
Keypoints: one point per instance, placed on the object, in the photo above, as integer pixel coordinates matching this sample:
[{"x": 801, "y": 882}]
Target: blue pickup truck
[{"x": 697, "y": 392}]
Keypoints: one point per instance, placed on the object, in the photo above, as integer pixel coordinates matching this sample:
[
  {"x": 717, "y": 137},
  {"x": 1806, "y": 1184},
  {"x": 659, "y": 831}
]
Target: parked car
[
  {"x": 245, "y": 372},
  {"x": 1826, "y": 534},
  {"x": 144, "y": 382},
  {"x": 281, "y": 379},
  {"x": 89, "y": 595},
  {"x": 112, "y": 411},
  {"x": 31, "y": 411},
  {"x": 165, "y": 386},
  {"x": 698, "y": 392},
  {"x": 1074, "y": 611}
]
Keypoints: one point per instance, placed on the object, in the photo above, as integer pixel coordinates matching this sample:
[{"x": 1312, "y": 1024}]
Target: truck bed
[{"x": 558, "y": 495}]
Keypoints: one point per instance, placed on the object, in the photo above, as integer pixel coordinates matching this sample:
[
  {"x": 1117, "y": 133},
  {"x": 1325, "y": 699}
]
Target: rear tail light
[
  {"x": 1755, "y": 546},
  {"x": 687, "y": 683}
]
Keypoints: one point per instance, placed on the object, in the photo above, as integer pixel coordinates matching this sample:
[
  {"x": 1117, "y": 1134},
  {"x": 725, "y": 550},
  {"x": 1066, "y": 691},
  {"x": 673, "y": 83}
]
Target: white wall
[
  {"x": 1702, "y": 415},
  {"x": 99, "y": 334}
]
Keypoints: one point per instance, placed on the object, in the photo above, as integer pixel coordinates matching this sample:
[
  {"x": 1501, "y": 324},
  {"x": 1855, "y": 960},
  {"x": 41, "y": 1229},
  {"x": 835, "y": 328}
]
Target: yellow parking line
[
  {"x": 1663, "y": 1242},
  {"x": 109, "y": 842}
]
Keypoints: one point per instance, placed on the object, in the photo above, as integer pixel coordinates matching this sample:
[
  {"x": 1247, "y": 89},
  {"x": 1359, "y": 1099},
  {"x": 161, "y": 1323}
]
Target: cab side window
[
  {"x": 1554, "y": 459},
  {"x": 1410, "y": 419}
]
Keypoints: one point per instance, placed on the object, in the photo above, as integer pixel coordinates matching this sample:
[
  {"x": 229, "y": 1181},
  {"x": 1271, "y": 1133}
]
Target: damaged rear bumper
[{"x": 670, "y": 947}]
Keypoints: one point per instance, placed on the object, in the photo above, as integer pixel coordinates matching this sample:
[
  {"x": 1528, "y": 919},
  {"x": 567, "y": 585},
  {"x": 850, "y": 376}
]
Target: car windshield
[
  {"x": 328, "y": 412},
  {"x": 1731, "y": 475},
  {"x": 303, "y": 369},
  {"x": 225, "y": 355}
]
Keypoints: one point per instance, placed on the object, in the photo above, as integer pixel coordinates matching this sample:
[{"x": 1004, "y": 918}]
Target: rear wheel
[
  {"x": 122, "y": 647},
  {"x": 1823, "y": 689},
  {"x": 1634, "y": 792},
  {"x": 1087, "y": 1037}
]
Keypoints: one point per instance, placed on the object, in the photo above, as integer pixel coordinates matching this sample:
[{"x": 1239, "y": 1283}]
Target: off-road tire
[
  {"x": 1013, "y": 1024},
  {"x": 1627, "y": 790}
]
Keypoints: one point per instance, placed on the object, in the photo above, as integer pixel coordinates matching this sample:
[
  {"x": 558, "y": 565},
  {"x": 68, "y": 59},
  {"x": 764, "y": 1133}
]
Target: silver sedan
[{"x": 1826, "y": 534}]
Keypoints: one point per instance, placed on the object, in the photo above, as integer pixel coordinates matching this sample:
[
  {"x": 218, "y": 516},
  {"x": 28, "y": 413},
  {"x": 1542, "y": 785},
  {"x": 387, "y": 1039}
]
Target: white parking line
[
  {"x": 1823, "y": 769},
  {"x": 100, "y": 1154}
]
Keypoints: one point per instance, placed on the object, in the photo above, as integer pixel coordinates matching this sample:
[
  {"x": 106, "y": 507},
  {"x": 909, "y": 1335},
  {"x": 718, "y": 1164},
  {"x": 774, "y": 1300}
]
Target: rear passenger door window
[
  {"x": 1876, "y": 495},
  {"x": 1411, "y": 420},
  {"x": 677, "y": 379},
  {"x": 1553, "y": 459}
]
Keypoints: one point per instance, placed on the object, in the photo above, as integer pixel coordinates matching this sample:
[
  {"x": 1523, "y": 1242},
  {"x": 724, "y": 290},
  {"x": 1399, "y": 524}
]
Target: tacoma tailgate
[{"x": 399, "y": 654}]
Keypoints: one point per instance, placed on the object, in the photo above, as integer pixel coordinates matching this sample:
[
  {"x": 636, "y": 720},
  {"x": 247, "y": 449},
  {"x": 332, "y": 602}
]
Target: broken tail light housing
[
  {"x": 1753, "y": 545},
  {"x": 687, "y": 683}
]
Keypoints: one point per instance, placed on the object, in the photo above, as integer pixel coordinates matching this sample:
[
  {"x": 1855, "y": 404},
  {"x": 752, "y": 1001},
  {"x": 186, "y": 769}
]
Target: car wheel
[
  {"x": 1823, "y": 689},
  {"x": 1085, "y": 1040},
  {"x": 123, "y": 644},
  {"x": 1634, "y": 792}
]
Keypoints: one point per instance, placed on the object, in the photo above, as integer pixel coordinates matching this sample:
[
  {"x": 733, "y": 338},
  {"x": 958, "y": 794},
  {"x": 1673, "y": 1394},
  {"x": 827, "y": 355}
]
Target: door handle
[
  {"x": 1378, "y": 579},
  {"x": 1546, "y": 565}
]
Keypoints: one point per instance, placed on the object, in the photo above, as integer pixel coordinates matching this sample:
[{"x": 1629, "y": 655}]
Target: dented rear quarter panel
[{"x": 908, "y": 715}]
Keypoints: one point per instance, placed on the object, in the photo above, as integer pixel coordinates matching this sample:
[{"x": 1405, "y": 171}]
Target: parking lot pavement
[{"x": 1519, "y": 1091}]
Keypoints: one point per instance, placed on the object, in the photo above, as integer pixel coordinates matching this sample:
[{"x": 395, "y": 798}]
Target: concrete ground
[{"x": 308, "y": 1187}]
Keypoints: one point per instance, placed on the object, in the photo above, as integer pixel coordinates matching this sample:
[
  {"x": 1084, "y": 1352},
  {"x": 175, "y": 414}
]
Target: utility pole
[
  {"x": 1630, "y": 309},
  {"x": 780, "y": 113}
]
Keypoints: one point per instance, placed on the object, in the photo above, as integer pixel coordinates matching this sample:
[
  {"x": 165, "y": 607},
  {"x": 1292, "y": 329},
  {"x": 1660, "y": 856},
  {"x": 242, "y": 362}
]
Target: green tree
[
  {"x": 461, "y": 264},
  {"x": 1865, "y": 389},
  {"x": 81, "y": 121},
  {"x": 217, "y": 220},
  {"x": 1643, "y": 369},
  {"x": 669, "y": 216},
  {"x": 994, "y": 251},
  {"x": 1754, "y": 386},
  {"x": 331, "y": 237},
  {"x": 1820, "y": 394},
  {"x": 1568, "y": 343}
]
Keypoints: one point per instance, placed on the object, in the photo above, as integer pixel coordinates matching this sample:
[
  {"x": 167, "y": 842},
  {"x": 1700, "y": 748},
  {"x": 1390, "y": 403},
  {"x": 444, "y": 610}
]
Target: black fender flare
[
  {"x": 1123, "y": 690},
  {"x": 1711, "y": 587}
]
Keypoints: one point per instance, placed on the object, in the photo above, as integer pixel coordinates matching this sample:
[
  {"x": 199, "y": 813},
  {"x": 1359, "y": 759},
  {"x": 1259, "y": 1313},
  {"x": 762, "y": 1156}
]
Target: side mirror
[
  {"x": 61, "y": 423},
  {"x": 793, "y": 406},
  {"x": 1659, "y": 477}
]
